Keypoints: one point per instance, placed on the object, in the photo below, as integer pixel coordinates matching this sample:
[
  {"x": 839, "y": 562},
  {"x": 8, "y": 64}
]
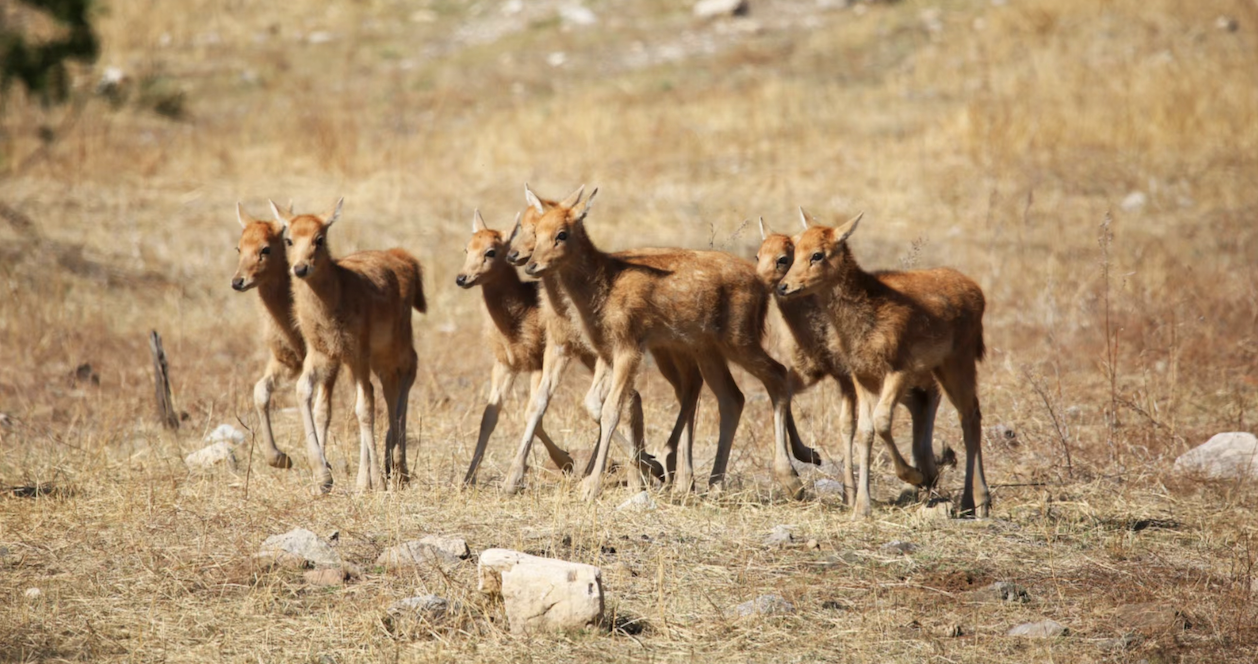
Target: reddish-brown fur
[
  {"x": 896, "y": 330},
  {"x": 703, "y": 304},
  {"x": 514, "y": 331},
  {"x": 814, "y": 351},
  {"x": 355, "y": 311},
  {"x": 264, "y": 266}
]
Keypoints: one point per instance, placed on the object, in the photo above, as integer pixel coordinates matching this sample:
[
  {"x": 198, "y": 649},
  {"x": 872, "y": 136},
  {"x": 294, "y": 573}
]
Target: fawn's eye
[
  {"x": 818, "y": 257},
  {"x": 491, "y": 253},
  {"x": 288, "y": 241},
  {"x": 266, "y": 251},
  {"x": 237, "y": 249},
  {"x": 561, "y": 236},
  {"x": 318, "y": 240},
  {"x": 783, "y": 261}
]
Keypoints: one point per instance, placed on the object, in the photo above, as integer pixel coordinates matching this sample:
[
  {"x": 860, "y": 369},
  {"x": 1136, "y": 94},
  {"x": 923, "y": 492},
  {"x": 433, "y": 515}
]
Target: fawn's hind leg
[
  {"x": 315, "y": 371},
  {"x": 499, "y": 384},
  {"x": 262, "y": 392}
]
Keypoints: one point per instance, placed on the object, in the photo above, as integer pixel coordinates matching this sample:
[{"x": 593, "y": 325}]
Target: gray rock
[
  {"x": 999, "y": 591},
  {"x": 780, "y": 536},
  {"x": 417, "y": 553},
  {"x": 828, "y": 487},
  {"x": 640, "y": 502},
  {"x": 1118, "y": 643},
  {"x": 577, "y": 15},
  {"x": 326, "y": 576},
  {"x": 764, "y": 605},
  {"x": 1226, "y": 455},
  {"x": 216, "y": 454},
  {"x": 453, "y": 546},
  {"x": 430, "y": 608},
  {"x": 1044, "y": 629},
  {"x": 226, "y": 433},
  {"x": 299, "y": 547},
  {"x": 896, "y": 546},
  {"x": 1151, "y": 618},
  {"x": 719, "y": 8}
]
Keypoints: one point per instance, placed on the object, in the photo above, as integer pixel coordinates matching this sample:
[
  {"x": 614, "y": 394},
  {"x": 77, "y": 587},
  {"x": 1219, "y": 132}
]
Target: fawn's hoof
[
  {"x": 805, "y": 454},
  {"x": 591, "y": 487},
  {"x": 323, "y": 484},
  {"x": 913, "y": 476},
  {"x": 280, "y": 460},
  {"x": 514, "y": 482}
]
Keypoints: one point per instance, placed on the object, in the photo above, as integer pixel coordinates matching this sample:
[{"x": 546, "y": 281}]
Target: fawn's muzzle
[
  {"x": 300, "y": 271},
  {"x": 238, "y": 283},
  {"x": 514, "y": 257},
  {"x": 461, "y": 280}
]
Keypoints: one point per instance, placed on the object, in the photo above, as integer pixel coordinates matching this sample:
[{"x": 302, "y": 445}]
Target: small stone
[
  {"x": 812, "y": 545},
  {"x": 827, "y": 487},
  {"x": 423, "y": 16},
  {"x": 999, "y": 591},
  {"x": 1227, "y": 24},
  {"x": 429, "y": 608},
  {"x": 897, "y": 546},
  {"x": 556, "y": 59},
  {"x": 718, "y": 8},
  {"x": 319, "y": 37},
  {"x": 1134, "y": 202},
  {"x": 1118, "y": 643},
  {"x": 453, "y": 546},
  {"x": 640, "y": 501},
  {"x": 1151, "y": 618},
  {"x": 577, "y": 15},
  {"x": 33, "y": 593},
  {"x": 216, "y": 454},
  {"x": 780, "y": 536},
  {"x": 764, "y": 605},
  {"x": 1044, "y": 629},
  {"x": 416, "y": 553},
  {"x": 226, "y": 433},
  {"x": 6, "y": 421},
  {"x": 299, "y": 547},
  {"x": 954, "y": 631},
  {"x": 325, "y": 576},
  {"x": 834, "y": 605},
  {"x": 938, "y": 509},
  {"x": 1225, "y": 455}
]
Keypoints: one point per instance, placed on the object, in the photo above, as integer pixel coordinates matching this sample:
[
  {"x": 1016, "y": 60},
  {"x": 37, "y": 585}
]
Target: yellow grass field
[{"x": 1090, "y": 163}]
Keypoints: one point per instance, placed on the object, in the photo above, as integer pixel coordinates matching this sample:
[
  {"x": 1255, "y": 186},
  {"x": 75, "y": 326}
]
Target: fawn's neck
[
  {"x": 851, "y": 299},
  {"x": 276, "y": 295},
  {"x": 507, "y": 298}
]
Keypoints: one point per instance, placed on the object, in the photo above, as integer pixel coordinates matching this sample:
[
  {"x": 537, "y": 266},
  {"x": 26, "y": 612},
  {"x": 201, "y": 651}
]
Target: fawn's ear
[
  {"x": 279, "y": 216},
  {"x": 573, "y": 198},
  {"x": 515, "y": 230},
  {"x": 336, "y": 213},
  {"x": 764, "y": 230},
  {"x": 243, "y": 217},
  {"x": 589, "y": 202},
  {"x": 532, "y": 199},
  {"x": 478, "y": 222},
  {"x": 842, "y": 232},
  {"x": 806, "y": 219}
]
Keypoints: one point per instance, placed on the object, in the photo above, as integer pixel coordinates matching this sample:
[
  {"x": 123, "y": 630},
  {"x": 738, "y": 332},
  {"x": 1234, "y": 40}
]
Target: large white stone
[
  {"x": 1226, "y": 455},
  {"x": 542, "y": 594},
  {"x": 716, "y": 8}
]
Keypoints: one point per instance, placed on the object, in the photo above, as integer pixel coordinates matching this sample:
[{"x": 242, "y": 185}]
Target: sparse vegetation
[{"x": 989, "y": 137}]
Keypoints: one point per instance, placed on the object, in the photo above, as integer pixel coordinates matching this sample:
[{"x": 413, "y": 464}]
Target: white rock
[
  {"x": 1226, "y": 455},
  {"x": 937, "y": 510},
  {"x": 897, "y": 546},
  {"x": 453, "y": 546},
  {"x": 33, "y": 593},
  {"x": 764, "y": 605},
  {"x": 319, "y": 37},
  {"x": 1040, "y": 630},
  {"x": 577, "y": 15},
  {"x": 542, "y": 594},
  {"x": 717, "y": 8},
  {"x": 299, "y": 545},
  {"x": 1134, "y": 201},
  {"x": 226, "y": 433},
  {"x": 640, "y": 501},
  {"x": 556, "y": 59},
  {"x": 212, "y": 455}
]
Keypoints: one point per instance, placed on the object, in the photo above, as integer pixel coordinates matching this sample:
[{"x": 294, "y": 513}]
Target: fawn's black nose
[
  {"x": 300, "y": 271},
  {"x": 513, "y": 256},
  {"x": 461, "y": 280},
  {"x": 238, "y": 283},
  {"x": 781, "y": 289}
]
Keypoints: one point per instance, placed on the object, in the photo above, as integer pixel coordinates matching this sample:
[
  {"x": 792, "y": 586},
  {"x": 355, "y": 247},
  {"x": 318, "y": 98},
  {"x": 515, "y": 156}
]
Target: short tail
[
  {"x": 420, "y": 303},
  {"x": 981, "y": 351}
]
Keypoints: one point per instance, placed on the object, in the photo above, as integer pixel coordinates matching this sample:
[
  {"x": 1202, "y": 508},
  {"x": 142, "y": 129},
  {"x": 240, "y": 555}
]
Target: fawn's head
[
  {"x": 773, "y": 260},
  {"x": 821, "y": 256},
  {"x": 524, "y": 237},
  {"x": 261, "y": 251},
  {"x": 555, "y": 230},
  {"x": 306, "y": 236},
  {"x": 486, "y": 252}
]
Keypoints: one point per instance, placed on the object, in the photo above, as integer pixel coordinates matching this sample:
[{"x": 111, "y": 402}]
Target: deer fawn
[
  {"x": 513, "y": 329},
  {"x": 354, "y": 311},
  {"x": 704, "y": 304},
  {"x": 264, "y": 266},
  {"x": 896, "y": 330},
  {"x": 814, "y": 352}
]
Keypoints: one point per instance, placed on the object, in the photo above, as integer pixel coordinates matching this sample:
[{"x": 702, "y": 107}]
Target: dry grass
[{"x": 991, "y": 137}]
